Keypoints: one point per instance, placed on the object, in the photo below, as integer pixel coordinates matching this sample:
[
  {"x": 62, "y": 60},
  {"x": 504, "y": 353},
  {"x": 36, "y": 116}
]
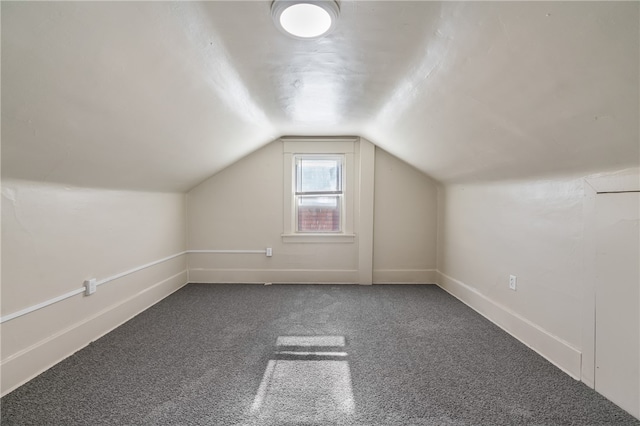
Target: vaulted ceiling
[{"x": 159, "y": 96}]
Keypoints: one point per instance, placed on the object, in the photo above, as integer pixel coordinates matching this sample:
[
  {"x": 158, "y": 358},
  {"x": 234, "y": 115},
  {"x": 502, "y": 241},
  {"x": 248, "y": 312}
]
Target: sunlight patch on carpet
[{"x": 297, "y": 388}]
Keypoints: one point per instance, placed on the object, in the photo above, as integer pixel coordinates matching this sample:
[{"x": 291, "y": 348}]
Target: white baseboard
[
  {"x": 404, "y": 276},
  {"x": 555, "y": 350},
  {"x": 309, "y": 276},
  {"x": 28, "y": 363},
  {"x": 245, "y": 275}
]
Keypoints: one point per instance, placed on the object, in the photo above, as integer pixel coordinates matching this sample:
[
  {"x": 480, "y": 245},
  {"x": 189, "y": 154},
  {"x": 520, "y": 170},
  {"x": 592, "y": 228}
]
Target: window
[{"x": 318, "y": 193}]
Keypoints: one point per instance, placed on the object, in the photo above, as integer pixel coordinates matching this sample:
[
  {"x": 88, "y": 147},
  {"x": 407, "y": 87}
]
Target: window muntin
[{"x": 318, "y": 192}]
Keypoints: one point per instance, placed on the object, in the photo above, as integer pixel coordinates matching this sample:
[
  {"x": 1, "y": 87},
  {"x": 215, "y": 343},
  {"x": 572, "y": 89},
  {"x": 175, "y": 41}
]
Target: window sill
[{"x": 318, "y": 238}]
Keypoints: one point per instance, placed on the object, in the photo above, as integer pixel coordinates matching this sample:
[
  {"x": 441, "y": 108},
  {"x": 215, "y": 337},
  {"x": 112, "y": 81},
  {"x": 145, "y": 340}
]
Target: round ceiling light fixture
[{"x": 305, "y": 19}]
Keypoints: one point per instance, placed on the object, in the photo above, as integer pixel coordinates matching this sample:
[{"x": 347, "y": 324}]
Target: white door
[{"x": 617, "y": 354}]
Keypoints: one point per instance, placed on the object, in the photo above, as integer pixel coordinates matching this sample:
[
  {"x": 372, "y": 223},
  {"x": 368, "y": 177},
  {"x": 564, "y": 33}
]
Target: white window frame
[{"x": 320, "y": 146}]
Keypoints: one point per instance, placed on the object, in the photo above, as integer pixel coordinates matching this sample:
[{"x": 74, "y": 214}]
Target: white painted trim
[
  {"x": 324, "y": 145},
  {"x": 589, "y": 292},
  {"x": 554, "y": 349},
  {"x": 78, "y": 291},
  {"x": 627, "y": 180},
  {"x": 41, "y": 305},
  {"x": 318, "y": 238},
  {"x": 139, "y": 268},
  {"x": 309, "y": 276},
  {"x": 229, "y": 251},
  {"x": 404, "y": 276},
  {"x": 46, "y": 353},
  {"x": 75, "y": 292},
  {"x": 275, "y": 276},
  {"x": 364, "y": 203},
  {"x": 318, "y": 145}
]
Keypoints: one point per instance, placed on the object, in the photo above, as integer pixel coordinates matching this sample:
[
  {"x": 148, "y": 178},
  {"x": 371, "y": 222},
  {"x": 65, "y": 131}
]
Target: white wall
[
  {"x": 405, "y": 223},
  {"x": 617, "y": 296},
  {"x": 241, "y": 208},
  {"x": 538, "y": 231},
  {"x": 53, "y": 238},
  {"x": 531, "y": 229}
]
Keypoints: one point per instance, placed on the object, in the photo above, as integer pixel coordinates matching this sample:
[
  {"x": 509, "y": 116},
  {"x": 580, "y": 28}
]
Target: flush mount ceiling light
[{"x": 305, "y": 19}]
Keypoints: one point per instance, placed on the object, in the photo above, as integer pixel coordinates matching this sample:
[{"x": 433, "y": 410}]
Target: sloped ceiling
[{"x": 159, "y": 96}]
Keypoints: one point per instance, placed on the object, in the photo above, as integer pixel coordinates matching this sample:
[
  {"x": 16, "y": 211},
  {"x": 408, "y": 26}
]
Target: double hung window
[
  {"x": 319, "y": 189},
  {"x": 319, "y": 193}
]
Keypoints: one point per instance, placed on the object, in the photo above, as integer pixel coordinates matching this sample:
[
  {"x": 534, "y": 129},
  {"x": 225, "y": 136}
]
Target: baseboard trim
[
  {"x": 404, "y": 276},
  {"x": 30, "y": 362},
  {"x": 308, "y": 276},
  {"x": 280, "y": 276},
  {"x": 555, "y": 350}
]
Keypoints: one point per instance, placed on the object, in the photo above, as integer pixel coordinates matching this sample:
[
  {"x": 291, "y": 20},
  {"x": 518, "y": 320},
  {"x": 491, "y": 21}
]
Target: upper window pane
[{"x": 318, "y": 174}]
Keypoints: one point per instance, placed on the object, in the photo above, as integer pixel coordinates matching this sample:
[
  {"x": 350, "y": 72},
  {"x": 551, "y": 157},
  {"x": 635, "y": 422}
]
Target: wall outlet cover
[{"x": 513, "y": 282}]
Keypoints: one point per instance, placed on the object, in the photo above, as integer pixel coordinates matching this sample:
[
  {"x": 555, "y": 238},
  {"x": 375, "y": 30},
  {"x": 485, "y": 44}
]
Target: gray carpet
[{"x": 307, "y": 355}]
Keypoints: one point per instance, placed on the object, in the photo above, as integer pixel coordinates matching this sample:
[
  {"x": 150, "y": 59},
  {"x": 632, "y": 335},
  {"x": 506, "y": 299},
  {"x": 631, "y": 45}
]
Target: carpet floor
[{"x": 307, "y": 355}]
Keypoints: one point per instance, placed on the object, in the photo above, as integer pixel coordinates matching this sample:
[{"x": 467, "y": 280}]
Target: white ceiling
[{"x": 159, "y": 96}]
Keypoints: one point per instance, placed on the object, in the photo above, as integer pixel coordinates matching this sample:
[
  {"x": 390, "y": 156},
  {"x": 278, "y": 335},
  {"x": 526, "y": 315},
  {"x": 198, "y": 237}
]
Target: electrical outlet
[
  {"x": 269, "y": 252},
  {"x": 513, "y": 281},
  {"x": 90, "y": 287}
]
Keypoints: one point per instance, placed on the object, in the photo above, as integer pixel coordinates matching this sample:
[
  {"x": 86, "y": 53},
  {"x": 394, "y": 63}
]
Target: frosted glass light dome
[{"x": 305, "y": 19}]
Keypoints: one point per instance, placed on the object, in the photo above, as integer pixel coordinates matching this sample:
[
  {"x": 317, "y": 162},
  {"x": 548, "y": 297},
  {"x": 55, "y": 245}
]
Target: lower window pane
[{"x": 319, "y": 213}]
